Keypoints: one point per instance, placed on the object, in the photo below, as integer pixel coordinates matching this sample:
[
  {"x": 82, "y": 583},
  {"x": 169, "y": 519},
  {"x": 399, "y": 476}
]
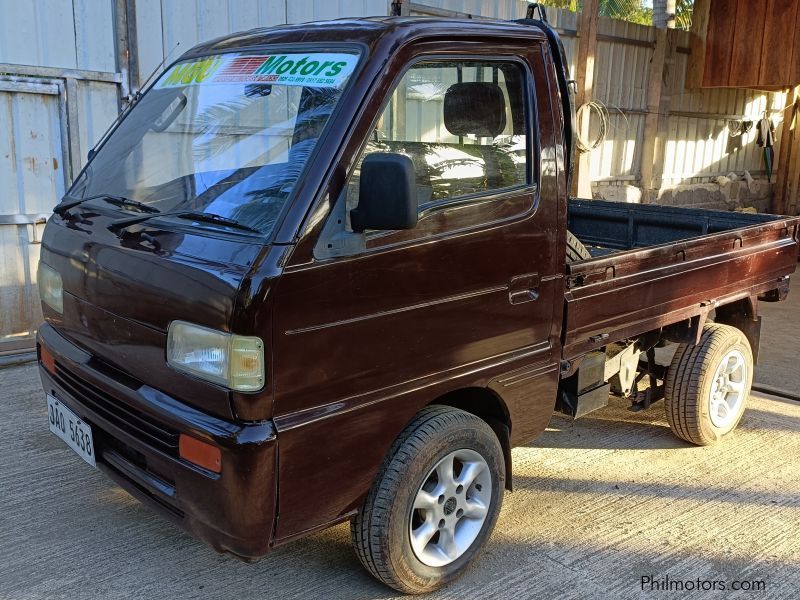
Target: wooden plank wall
[
  {"x": 780, "y": 40},
  {"x": 747, "y": 48},
  {"x": 719, "y": 41},
  {"x": 750, "y": 44}
]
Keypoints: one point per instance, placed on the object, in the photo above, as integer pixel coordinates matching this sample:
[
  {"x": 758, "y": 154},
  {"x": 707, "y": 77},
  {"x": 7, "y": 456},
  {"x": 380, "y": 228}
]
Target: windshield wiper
[
  {"x": 196, "y": 215},
  {"x": 120, "y": 201},
  {"x": 189, "y": 215}
]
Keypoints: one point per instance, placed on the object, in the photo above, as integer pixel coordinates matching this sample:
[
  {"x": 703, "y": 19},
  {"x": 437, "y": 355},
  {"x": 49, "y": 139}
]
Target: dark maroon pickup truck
[{"x": 330, "y": 272}]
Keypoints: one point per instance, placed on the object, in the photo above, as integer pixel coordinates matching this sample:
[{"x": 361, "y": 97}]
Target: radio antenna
[{"x": 158, "y": 69}]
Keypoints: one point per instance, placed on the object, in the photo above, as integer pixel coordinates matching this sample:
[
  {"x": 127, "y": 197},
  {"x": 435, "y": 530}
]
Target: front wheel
[{"x": 434, "y": 503}]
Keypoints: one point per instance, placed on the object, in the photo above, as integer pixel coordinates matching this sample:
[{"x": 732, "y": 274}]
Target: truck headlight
[
  {"x": 51, "y": 289},
  {"x": 235, "y": 361}
]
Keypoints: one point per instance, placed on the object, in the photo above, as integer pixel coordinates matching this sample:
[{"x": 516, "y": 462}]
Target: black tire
[
  {"x": 575, "y": 249},
  {"x": 381, "y": 530},
  {"x": 690, "y": 383}
]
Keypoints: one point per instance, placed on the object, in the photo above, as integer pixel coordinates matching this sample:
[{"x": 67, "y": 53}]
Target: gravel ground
[{"x": 598, "y": 504}]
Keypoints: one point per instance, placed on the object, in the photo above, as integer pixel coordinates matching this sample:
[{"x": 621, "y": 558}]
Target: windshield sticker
[{"x": 310, "y": 70}]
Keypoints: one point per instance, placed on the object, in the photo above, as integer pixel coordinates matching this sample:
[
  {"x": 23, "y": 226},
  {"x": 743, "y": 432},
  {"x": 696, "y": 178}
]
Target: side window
[{"x": 463, "y": 125}]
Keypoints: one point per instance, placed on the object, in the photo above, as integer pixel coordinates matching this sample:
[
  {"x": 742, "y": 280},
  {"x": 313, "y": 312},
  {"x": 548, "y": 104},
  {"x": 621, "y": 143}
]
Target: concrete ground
[
  {"x": 780, "y": 342},
  {"x": 599, "y": 504}
]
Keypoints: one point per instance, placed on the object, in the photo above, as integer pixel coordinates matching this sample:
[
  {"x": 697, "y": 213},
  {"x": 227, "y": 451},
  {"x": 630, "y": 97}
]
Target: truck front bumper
[{"x": 136, "y": 430}]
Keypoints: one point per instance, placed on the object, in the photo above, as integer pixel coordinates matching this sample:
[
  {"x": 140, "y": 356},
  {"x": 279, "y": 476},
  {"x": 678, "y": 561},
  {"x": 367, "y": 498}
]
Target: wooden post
[
  {"x": 584, "y": 78},
  {"x": 697, "y": 43},
  {"x": 787, "y": 178},
  {"x": 659, "y": 98}
]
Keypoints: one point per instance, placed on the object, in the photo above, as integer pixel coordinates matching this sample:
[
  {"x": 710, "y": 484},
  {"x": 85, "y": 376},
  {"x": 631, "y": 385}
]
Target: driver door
[{"x": 366, "y": 338}]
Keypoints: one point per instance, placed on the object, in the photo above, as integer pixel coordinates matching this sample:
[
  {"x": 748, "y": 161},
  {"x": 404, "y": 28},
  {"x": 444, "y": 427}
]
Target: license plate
[{"x": 75, "y": 432}]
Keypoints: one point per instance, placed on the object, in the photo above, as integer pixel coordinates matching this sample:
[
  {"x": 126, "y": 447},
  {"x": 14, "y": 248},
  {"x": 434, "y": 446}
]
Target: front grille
[{"x": 127, "y": 418}]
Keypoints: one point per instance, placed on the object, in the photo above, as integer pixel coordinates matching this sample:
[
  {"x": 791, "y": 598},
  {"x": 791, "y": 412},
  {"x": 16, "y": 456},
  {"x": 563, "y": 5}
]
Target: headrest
[{"x": 476, "y": 108}]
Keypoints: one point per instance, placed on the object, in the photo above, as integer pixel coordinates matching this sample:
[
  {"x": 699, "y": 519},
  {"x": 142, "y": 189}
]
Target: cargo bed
[{"x": 656, "y": 265}]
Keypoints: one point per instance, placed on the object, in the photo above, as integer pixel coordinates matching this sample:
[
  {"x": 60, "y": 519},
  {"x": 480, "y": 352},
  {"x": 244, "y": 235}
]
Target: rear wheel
[
  {"x": 434, "y": 503},
  {"x": 708, "y": 385}
]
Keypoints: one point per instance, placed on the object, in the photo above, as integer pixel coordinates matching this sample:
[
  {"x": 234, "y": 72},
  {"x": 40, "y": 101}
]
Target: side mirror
[{"x": 387, "y": 193}]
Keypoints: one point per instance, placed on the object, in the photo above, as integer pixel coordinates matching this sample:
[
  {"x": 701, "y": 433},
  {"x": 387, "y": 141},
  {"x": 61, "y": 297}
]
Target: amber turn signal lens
[
  {"x": 48, "y": 361},
  {"x": 200, "y": 453}
]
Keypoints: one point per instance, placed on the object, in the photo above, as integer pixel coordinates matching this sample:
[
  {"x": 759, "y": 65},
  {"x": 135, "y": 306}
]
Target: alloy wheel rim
[
  {"x": 450, "y": 508},
  {"x": 728, "y": 389}
]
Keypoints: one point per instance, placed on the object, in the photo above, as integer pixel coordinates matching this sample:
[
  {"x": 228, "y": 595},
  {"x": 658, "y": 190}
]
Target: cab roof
[{"x": 367, "y": 30}]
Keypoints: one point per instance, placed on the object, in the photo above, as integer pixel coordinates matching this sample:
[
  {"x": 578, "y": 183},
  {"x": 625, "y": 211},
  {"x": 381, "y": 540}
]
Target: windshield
[{"x": 227, "y": 135}]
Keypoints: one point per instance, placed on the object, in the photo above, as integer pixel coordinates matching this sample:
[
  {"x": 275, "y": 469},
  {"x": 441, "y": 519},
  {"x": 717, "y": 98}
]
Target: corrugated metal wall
[
  {"x": 59, "y": 90},
  {"x": 496, "y": 9},
  {"x": 161, "y": 24},
  {"x": 621, "y": 76},
  {"x": 31, "y": 177},
  {"x": 70, "y": 34},
  {"x": 73, "y": 39}
]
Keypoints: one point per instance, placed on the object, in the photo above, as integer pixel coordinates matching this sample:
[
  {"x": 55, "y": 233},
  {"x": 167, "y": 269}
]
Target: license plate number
[{"x": 76, "y": 433}]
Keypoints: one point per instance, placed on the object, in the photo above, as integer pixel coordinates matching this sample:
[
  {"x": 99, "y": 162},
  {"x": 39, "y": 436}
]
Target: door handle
[{"x": 523, "y": 288}]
